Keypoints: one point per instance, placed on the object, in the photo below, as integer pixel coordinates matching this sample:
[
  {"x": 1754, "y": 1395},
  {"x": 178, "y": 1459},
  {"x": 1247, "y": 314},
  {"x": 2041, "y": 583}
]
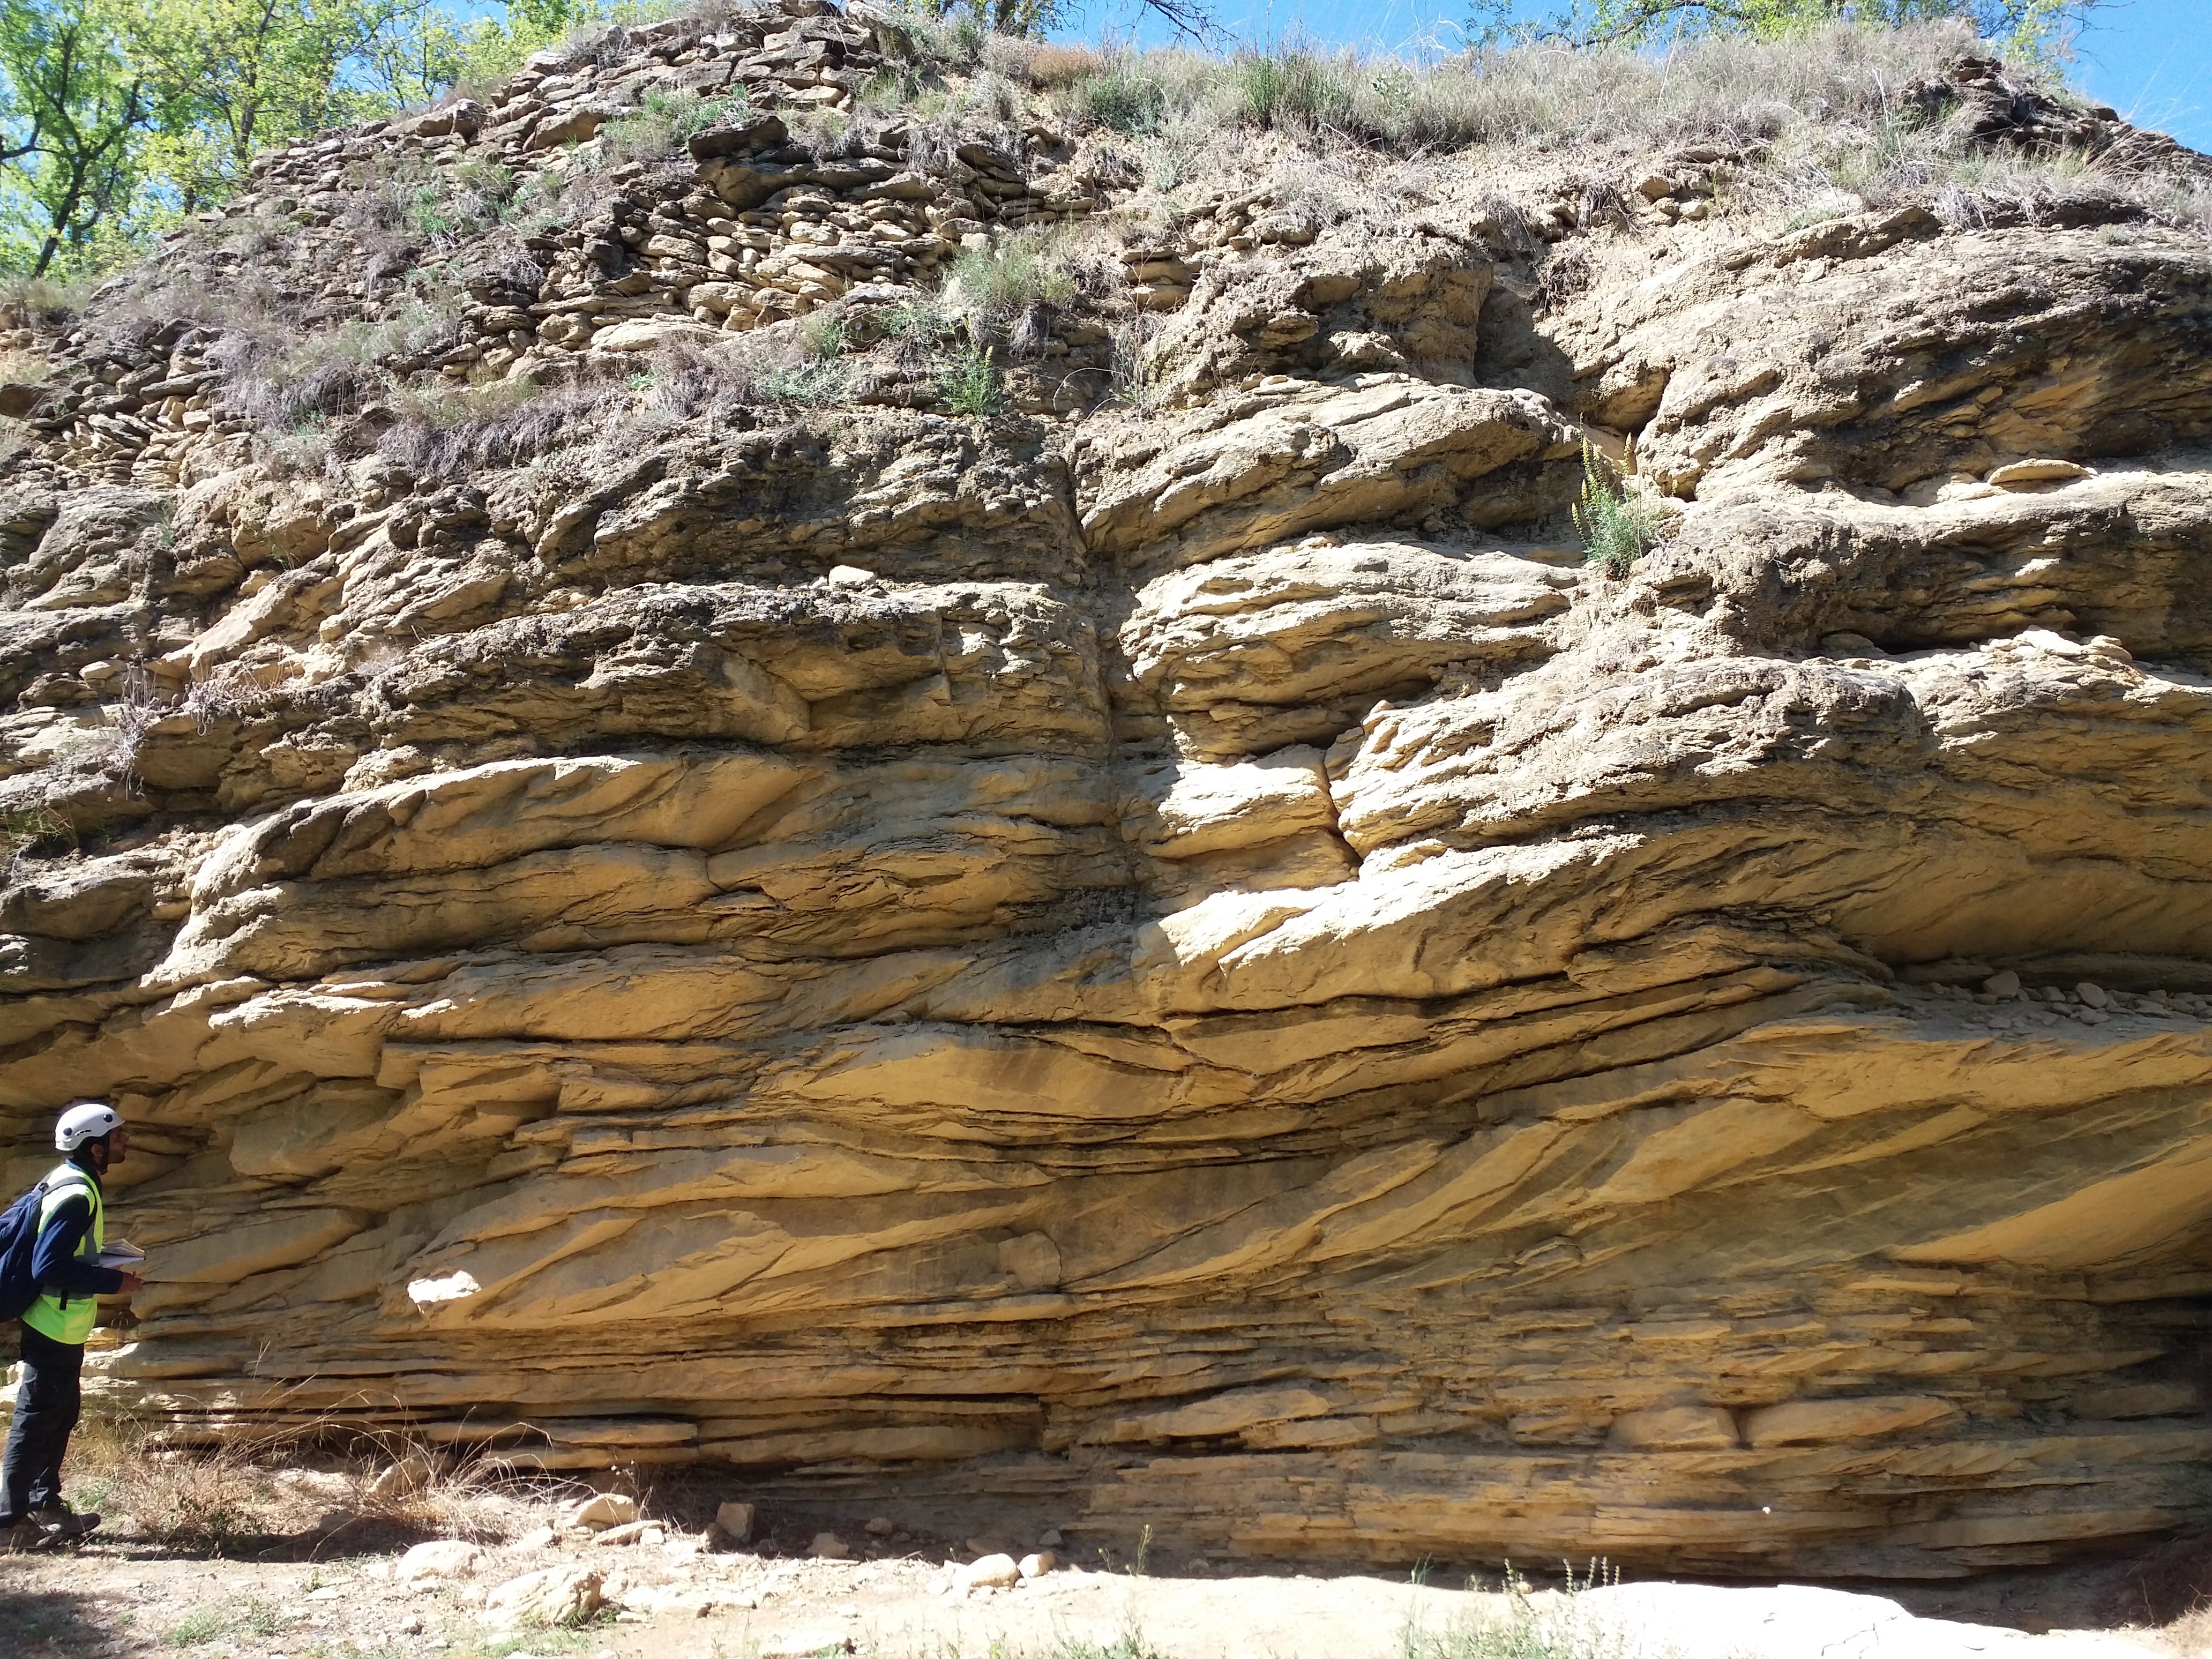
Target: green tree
[
  {"x": 72, "y": 115},
  {"x": 116, "y": 115},
  {"x": 229, "y": 77},
  {"x": 2037, "y": 29},
  {"x": 490, "y": 47}
]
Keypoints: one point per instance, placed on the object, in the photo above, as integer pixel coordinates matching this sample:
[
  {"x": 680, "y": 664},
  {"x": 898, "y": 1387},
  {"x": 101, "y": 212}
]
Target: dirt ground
[{"x": 333, "y": 1589}]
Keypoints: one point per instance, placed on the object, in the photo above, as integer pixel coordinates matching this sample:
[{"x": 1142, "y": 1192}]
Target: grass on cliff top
[
  {"x": 1822, "y": 121},
  {"x": 1733, "y": 91},
  {"x": 1736, "y": 90}
]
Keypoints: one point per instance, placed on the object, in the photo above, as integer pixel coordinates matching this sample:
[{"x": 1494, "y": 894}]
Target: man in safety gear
[{"x": 65, "y": 1261}]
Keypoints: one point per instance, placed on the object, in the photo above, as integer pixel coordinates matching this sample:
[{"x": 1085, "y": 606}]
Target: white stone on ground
[{"x": 441, "y": 1558}]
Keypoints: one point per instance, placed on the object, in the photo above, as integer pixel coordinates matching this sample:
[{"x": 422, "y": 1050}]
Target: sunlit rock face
[{"x": 1191, "y": 967}]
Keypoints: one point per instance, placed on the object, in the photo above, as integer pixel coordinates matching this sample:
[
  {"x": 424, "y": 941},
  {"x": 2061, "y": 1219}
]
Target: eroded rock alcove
[{"x": 1183, "y": 961}]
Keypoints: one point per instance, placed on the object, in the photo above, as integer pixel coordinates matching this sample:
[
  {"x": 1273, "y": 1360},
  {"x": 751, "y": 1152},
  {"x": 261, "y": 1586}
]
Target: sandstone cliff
[{"x": 1074, "y": 896}]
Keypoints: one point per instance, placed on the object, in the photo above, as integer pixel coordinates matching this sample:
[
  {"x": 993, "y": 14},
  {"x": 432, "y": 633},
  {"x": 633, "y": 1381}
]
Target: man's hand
[{"x": 132, "y": 1284}]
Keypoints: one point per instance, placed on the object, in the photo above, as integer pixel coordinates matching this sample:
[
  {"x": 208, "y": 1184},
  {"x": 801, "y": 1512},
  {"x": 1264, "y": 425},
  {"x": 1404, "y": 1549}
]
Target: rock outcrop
[{"x": 1179, "y": 962}]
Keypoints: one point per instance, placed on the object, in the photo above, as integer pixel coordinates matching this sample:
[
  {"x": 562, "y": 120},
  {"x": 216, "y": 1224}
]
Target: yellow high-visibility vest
[{"x": 70, "y": 1319}]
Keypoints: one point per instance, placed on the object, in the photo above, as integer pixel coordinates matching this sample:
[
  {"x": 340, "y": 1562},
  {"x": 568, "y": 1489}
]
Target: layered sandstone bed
[{"x": 1180, "y": 962}]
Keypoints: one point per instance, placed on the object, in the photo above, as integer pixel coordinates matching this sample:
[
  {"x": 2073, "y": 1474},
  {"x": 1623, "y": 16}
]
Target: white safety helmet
[{"x": 89, "y": 1119}]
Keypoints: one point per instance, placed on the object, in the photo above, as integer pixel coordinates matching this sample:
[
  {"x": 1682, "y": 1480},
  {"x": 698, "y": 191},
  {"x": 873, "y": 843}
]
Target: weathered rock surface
[{"x": 1194, "y": 968}]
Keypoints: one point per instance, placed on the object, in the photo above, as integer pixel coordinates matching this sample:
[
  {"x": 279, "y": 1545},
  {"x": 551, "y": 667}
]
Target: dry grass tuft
[
  {"x": 1049, "y": 65},
  {"x": 195, "y": 1502},
  {"x": 39, "y": 300},
  {"x": 23, "y": 367},
  {"x": 2191, "y": 1634},
  {"x": 444, "y": 431},
  {"x": 2172, "y": 1586},
  {"x": 208, "y": 1500}
]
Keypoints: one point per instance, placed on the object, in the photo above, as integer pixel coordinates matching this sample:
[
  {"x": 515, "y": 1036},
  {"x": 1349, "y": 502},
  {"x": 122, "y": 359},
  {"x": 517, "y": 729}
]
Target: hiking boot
[
  {"x": 22, "y": 1533},
  {"x": 63, "y": 1523}
]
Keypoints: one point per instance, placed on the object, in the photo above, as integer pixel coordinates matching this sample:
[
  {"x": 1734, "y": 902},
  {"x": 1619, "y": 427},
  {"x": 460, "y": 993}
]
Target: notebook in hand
[{"x": 121, "y": 1253}]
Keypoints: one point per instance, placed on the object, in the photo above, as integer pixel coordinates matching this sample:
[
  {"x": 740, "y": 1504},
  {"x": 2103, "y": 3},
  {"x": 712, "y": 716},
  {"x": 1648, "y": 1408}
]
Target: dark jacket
[{"x": 54, "y": 1263}]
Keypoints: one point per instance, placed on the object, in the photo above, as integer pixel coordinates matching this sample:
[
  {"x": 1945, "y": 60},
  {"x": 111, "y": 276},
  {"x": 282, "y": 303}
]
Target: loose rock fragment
[
  {"x": 440, "y": 1557},
  {"x": 560, "y": 1597},
  {"x": 601, "y": 1510},
  {"x": 407, "y": 1476},
  {"x": 735, "y": 1521},
  {"x": 988, "y": 1572}
]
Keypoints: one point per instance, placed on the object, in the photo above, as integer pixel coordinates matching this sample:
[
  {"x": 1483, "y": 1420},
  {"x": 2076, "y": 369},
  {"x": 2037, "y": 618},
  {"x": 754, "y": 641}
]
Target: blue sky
[{"x": 2150, "y": 59}]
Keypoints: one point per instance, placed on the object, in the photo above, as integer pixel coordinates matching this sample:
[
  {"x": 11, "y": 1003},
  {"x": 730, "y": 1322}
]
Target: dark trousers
[{"x": 46, "y": 1406}]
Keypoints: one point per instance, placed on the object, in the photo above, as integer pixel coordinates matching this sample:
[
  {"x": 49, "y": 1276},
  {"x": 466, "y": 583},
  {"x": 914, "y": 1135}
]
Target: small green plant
[
  {"x": 1136, "y": 378},
  {"x": 302, "y": 450},
  {"x": 534, "y": 207},
  {"x": 440, "y": 207},
  {"x": 821, "y": 130},
  {"x": 1618, "y": 526},
  {"x": 204, "y": 1625},
  {"x": 665, "y": 122},
  {"x": 251, "y": 235},
  {"x": 991, "y": 288},
  {"x": 888, "y": 91},
  {"x": 920, "y": 325},
  {"x": 932, "y": 342},
  {"x": 424, "y": 213},
  {"x": 252, "y": 1617},
  {"x": 479, "y": 195},
  {"x": 1122, "y": 96},
  {"x": 911, "y": 35},
  {"x": 436, "y": 401},
  {"x": 537, "y": 1638},
  {"x": 1818, "y": 213},
  {"x": 1296, "y": 89},
  {"x": 811, "y": 383},
  {"x": 484, "y": 177},
  {"x": 257, "y": 1618},
  {"x": 823, "y": 333},
  {"x": 968, "y": 381},
  {"x": 1172, "y": 159},
  {"x": 24, "y": 368},
  {"x": 1571, "y": 1625},
  {"x": 34, "y": 831},
  {"x": 1130, "y": 1643}
]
